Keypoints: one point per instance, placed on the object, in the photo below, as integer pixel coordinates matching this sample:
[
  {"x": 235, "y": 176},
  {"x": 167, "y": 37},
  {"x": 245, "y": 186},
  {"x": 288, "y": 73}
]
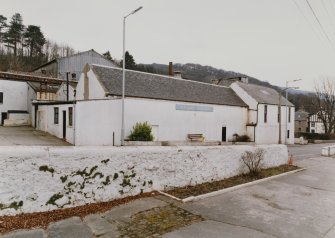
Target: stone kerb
[{"x": 45, "y": 178}]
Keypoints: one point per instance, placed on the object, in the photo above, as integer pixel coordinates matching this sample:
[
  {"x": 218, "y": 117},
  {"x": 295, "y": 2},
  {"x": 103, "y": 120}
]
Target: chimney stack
[{"x": 170, "y": 69}]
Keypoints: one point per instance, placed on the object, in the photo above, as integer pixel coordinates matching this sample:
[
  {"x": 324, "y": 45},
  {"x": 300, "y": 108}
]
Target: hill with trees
[{"x": 23, "y": 48}]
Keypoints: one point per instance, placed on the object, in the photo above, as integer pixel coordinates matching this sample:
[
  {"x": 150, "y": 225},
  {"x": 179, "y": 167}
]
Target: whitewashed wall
[
  {"x": 95, "y": 89},
  {"x": 45, "y": 121},
  {"x": 16, "y": 96},
  {"x": 268, "y": 133},
  {"x": 79, "y": 175},
  {"x": 169, "y": 124}
]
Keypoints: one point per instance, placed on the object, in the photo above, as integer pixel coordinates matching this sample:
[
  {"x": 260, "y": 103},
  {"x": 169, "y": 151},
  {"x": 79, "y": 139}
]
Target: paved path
[
  {"x": 22, "y": 135},
  {"x": 297, "y": 205},
  {"x": 306, "y": 151}
]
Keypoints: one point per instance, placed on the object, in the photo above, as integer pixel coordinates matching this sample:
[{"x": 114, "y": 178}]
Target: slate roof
[
  {"x": 145, "y": 85},
  {"x": 301, "y": 116},
  {"x": 263, "y": 94}
]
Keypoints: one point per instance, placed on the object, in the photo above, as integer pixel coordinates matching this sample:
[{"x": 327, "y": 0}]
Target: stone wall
[{"x": 45, "y": 178}]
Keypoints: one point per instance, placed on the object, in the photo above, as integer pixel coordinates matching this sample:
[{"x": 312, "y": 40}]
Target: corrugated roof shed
[
  {"x": 263, "y": 94},
  {"x": 145, "y": 85}
]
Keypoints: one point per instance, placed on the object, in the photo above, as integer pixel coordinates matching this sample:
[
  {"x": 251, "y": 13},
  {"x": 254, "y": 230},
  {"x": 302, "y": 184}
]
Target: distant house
[
  {"x": 301, "y": 121},
  {"x": 73, "y": 65},
  {"x": 315, "y": 124},
  {"x": 263, "y": 113}
]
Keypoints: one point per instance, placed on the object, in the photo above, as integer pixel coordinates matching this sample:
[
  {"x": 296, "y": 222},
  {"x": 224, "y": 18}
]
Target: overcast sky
[{"x": 272, "y": 40}]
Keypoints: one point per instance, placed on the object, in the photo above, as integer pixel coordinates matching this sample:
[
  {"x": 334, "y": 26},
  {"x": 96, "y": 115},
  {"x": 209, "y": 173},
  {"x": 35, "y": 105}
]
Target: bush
[
  {"x": 242, "y": 138},
  {"x": 314, "y": 136},
  {"x": 253, "y": 161},
  {"x": 141, "y": 132}
]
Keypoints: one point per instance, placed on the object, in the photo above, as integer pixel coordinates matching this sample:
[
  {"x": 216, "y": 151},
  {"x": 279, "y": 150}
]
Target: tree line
[{"x": 23, "y": 48}]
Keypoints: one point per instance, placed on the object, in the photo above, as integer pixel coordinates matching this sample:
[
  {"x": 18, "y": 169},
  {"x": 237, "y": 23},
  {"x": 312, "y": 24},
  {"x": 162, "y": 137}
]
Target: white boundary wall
[{"x": 130, "y": 170}]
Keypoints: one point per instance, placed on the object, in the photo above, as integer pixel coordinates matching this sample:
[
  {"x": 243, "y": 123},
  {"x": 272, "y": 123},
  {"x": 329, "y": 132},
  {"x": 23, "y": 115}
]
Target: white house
[
  {"x": 263, "y": 113},
  {"x": 174, "y": 107},
  {"x": 315, "y": 124}
]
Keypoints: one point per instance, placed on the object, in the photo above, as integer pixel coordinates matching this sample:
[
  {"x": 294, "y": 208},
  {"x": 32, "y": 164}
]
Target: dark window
[
  {"x": 278, "y": 119},
  {"x": 289, "y": 114},
  {"x": 70, "y": 115},
  {"x": 299, "y": 129},
  {"x": 265, "y": 113},
  {"x": 288, "y": 133},
  {"x": 1, "y": 97},
  {"x": 56, "y": 115},
  {"x": 312, "y": 124}
]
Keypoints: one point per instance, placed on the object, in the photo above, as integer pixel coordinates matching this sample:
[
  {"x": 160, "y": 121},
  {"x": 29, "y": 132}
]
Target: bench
[{"x": 196, "y": 137}]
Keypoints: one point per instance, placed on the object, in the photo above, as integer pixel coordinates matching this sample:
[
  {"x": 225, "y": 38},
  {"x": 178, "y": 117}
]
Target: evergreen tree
[
  {"x": 130, "y": 62},
  {"x": 13, "y": 36},
  {"x": 34, "y": 40},
  {"x": 3, "y": 25},
  {"x": 108, "y": 55}
]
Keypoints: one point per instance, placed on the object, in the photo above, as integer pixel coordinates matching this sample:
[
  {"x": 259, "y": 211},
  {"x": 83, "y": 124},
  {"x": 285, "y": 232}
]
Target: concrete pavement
[
  {"x": 296, "y": 205},
  {"x": 22, "y": 135}
]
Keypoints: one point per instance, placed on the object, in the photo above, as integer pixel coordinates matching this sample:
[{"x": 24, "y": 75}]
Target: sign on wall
[{"x": 184, "y": 107}]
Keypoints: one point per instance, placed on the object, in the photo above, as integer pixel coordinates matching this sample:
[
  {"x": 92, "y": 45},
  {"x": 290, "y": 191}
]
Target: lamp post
[
  {"x": 124, "y": 71},
  {"x": 286, "y": 88}
]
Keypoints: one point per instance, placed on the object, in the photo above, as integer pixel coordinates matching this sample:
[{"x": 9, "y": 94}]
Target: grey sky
[{"x": 267, "y": 39}]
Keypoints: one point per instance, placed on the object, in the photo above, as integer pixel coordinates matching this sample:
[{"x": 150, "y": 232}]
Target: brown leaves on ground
[{"x": 42, "y": 219}]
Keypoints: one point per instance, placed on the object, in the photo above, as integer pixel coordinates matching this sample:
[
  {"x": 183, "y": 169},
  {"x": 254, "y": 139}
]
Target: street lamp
[
  {"x": 124, "y": 71},
  {"x": 287, "y": 87}
]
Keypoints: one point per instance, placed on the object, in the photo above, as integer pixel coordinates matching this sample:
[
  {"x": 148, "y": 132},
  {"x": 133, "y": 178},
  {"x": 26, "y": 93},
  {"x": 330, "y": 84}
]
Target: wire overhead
[
  {"x": 306, "y": 19},
  {"x": 317, "y": 19}
]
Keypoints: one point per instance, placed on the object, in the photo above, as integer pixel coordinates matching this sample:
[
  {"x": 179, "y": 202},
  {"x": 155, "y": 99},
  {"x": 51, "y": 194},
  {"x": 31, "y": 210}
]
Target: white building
[
  {"x": 174, "y": 107},
  {"x": 263, "y": 113},
  {"x": 315, "y": 124}
]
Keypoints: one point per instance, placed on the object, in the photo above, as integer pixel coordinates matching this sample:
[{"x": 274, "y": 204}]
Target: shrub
[
  {"x": 141, "y": 132},
  {"x": 253, "y": 161},
  {"x": 242, "y": 138}
]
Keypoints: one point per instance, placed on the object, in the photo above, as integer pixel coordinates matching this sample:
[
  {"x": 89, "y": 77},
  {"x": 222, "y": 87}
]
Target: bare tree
[{"x": 324, "y": 103}]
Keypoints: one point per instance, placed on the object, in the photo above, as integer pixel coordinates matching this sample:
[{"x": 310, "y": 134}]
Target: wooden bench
[{"x": 196, "y": 137}]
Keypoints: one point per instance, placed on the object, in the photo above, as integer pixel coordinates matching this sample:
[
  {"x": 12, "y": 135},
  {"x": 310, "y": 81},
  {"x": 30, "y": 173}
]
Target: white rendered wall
[
  {"x": 15, "y": 96},
  {"x": 170, "y": 124},
  {"x": 148, "y": 168},
  {"x": 45, "y": 121},
  {"x": 95, "y": 88},
  {"x": 268, "y": 132},
  {"x": 250, "y": 101}
]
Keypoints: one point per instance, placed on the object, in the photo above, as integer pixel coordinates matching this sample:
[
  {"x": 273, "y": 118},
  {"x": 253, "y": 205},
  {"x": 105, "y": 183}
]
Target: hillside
[{"x": 197, "y": 72}]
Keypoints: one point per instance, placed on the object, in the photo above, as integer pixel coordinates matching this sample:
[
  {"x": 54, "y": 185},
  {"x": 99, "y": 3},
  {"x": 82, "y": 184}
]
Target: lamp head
[{"x": 136, "y": 10}]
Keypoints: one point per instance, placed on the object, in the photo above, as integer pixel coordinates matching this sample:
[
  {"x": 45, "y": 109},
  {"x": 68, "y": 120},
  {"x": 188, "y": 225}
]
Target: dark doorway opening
[
  {"x": 64, "y": 125},
  {"x": 224, "y": 134},
  {"x": 3, "y": 117}
]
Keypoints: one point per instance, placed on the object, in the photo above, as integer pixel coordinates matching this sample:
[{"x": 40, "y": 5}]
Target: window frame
[
  {"x": 265, "y": 113},
  {"x": 1, "y": 97},
  {"x": 70, "y": 114},
  {"x": 56, "y": 115}
]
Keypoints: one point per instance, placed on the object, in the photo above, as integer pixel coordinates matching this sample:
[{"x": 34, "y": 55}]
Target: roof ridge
[{"x": 161, "y": 75}]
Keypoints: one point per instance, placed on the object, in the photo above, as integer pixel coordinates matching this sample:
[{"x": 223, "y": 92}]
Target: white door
[{"x": 154, "y": 131}]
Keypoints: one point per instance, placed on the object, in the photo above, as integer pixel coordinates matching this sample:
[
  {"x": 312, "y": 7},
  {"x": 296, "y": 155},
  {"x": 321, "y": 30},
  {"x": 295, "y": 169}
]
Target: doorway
[
  {"x": 64, "y": 125},
  {"x": 224, "y": 133},
  {"x": 3, "y": 117}
]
